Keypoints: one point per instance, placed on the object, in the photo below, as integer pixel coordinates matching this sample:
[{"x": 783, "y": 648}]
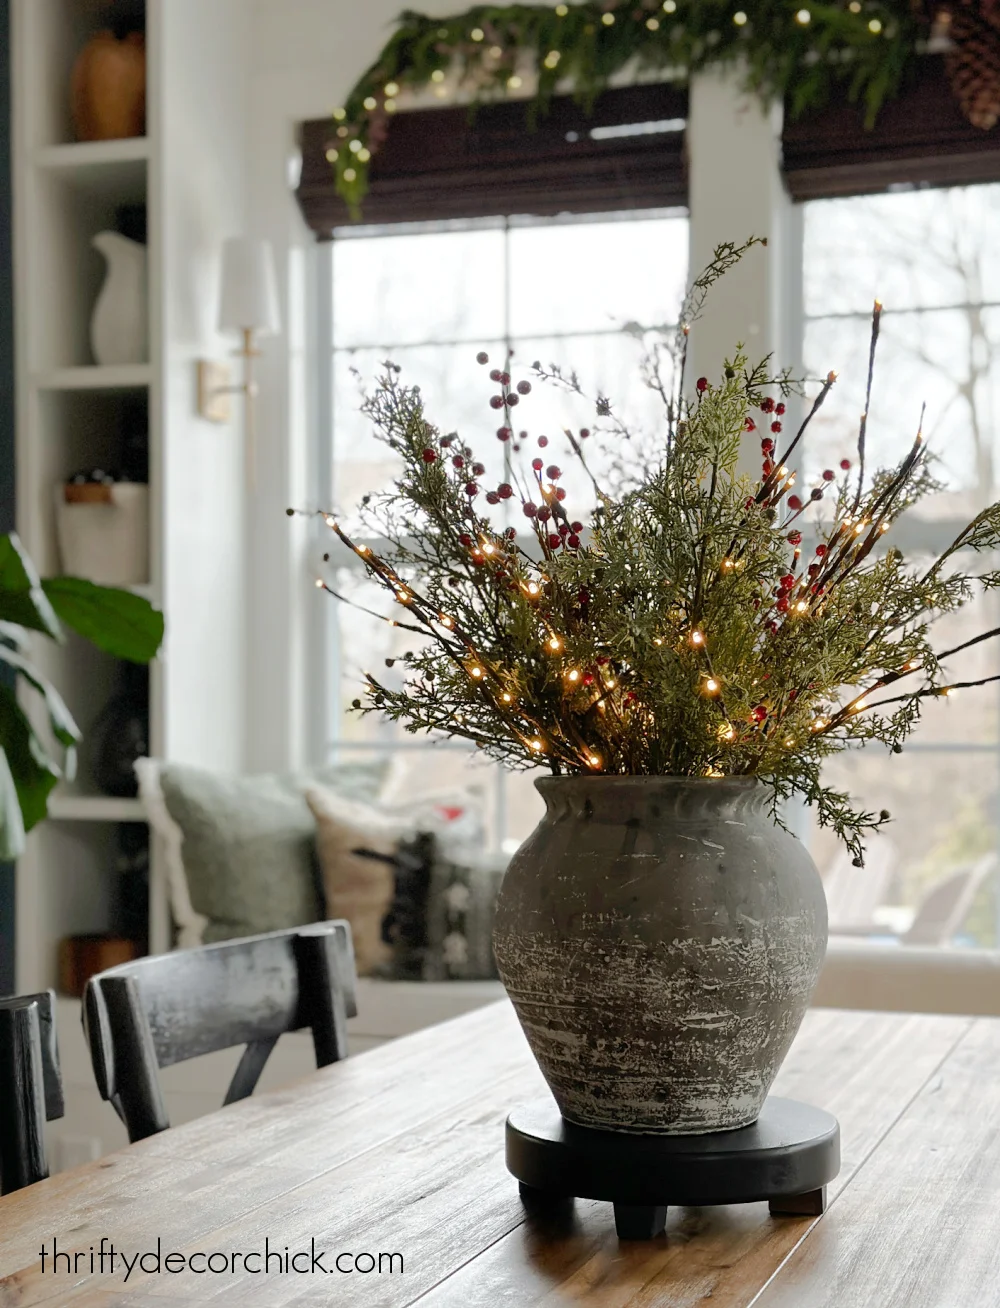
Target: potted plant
[
  {"x": 120, "y": 623},
  {"x": 681, "y": 666}
]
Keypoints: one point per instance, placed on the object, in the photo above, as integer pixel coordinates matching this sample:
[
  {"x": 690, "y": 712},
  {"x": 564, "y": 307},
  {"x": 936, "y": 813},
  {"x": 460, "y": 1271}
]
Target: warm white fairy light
[
  {"x": 573, "y": 675},
  {"x": 697, "y": 638},
  {"x": 507, "y": 697},
  {"x": 801, "y": 607},
  {"x": 728, "y": 565},
  {"x": 657, "y": 640},
  {"x": 608, "y": 20},
  {"x": 320, "y": 583},
  {"x": 669, "y": 6},
  {"x": 859, "y": 528},
  {"x": 554, "y": 643},
  {"x": 739, "y": 18},
  {"x": 912, "y": 665},
  {"x": 476, "y": 671},
  {"x": 437, "y": 75},
  {"x": 782, "y": 471},
  {"x": 727, "y": 731},
  {"x": 594, "y": 761},
  {"x": 610, "y": 683},
  {"x": 355, "y": 146},
  {"x": 533, "y": 588},
  {"x": 363, "y": 550},
  {"x": 477, "y": 34},
  {"x": 875, "y": 26},
  {"x": 803, "y": 17},
  {"x": 513, "y": 81},
  {"x": 370, "y": 103},
  {"x": 551, "y": 59},
  {"x": 446, "y": 621},
  {"x": 339, "y": 114},
  {"x": 885, "y": 525},
  {"x": 488, "y": 548},
  {"x": 364, "y": 155},
  {"x": 350, "y": 175},
  {"x": 818, "y": 724},
  {"x": 391, "y": 88},
  {"x": 712, "y": 686},
  {"x": 562, "y": 11},
  {"x": 330, "y": 520},
  {"x": 859, "y": 704},
  {"x": 536, "y": 745}
]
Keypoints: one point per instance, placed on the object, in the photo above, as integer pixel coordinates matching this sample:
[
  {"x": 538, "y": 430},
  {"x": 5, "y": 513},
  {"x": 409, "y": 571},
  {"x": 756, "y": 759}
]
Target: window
[
  {"x": 576, "y": 291},
  {"x": 932, "y": 257}
]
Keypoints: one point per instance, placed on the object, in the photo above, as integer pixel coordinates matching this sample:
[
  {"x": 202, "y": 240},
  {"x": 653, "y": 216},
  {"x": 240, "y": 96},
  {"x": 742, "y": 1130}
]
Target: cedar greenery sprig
[
  {"x": 680, "y": 624},
  {"x": 798, "y": 48}
]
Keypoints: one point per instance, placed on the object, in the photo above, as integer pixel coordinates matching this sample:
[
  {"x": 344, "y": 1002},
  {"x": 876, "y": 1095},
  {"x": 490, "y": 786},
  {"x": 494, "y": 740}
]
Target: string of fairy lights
[
  {"x": 532, "y": 50},
  {"x": 601, "y": 698}
]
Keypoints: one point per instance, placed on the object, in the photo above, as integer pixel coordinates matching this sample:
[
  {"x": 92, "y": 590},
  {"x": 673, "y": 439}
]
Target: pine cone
[{"x": 974, "y": 61}]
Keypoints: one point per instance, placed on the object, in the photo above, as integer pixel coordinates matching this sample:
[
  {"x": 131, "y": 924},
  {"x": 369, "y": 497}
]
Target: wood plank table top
[{"x": 400, "y": 1151}]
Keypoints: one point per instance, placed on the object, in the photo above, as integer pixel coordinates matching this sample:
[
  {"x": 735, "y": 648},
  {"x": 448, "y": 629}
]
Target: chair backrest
[
  {"x": 31, "y": 1091},
  {"x": 853, "y": 893},
  {"x": 946, "y": 904},
  {"x": 158, "y": 1011}
]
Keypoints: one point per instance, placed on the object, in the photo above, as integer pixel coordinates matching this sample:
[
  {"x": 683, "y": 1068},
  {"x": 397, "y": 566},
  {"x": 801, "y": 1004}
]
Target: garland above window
[{"x": 788, "y": 48}]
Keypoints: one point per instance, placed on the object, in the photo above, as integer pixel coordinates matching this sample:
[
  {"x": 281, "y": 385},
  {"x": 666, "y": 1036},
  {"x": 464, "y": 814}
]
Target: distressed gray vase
[{"x": 660, "y": 938}]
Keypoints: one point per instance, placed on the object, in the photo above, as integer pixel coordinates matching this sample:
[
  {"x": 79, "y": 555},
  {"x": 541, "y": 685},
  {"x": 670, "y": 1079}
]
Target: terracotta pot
[
  {"x": 660, "y": 938},
  {"x": 108, "y": 88}
]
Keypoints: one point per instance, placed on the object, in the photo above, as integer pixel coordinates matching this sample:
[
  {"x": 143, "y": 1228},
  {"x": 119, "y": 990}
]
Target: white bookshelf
[
  {"x": 69, "y": 411},
  {"x": 70, "y": 415}
]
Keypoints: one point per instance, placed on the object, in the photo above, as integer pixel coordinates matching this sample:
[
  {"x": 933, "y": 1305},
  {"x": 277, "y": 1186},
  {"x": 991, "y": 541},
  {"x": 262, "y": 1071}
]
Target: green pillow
[{"x": 248, "y": 842}]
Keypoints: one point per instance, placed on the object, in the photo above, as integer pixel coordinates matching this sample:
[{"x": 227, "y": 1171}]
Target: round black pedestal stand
[{"x": 786, "y": 1157}]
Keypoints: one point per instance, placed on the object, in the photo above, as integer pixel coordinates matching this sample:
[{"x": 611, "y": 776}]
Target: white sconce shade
[{"x": 248, "y": 299}]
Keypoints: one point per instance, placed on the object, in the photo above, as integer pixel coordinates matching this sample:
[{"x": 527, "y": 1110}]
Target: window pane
[
  {"x": 444, "y": 286},
  {"x": 933, "y": 259},
  {"x": 557, "y": 291},
  {"x": 589, "y": 276},
  {"x": 908, "y": 249},
  {"x": 944, "y": 807}
]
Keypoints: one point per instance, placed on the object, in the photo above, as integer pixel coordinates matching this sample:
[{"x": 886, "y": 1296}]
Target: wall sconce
[{"x": 248, "y": 304}]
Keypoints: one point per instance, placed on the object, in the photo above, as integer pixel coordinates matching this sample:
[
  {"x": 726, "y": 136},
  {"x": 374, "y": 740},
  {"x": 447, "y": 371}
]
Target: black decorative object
[
  {"x": 31, "y": 1091},
  {"x": 121, "y": 734},
  {"x": 786, "y": 1157},
  {"x": 132, "y": 868}
]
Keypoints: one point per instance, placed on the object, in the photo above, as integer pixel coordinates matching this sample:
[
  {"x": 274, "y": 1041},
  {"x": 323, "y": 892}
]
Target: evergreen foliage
[{"x": 705, "y": 622}]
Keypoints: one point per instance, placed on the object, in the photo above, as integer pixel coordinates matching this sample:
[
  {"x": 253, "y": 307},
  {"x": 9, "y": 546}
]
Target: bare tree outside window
[{"x": 933, "y": 258}]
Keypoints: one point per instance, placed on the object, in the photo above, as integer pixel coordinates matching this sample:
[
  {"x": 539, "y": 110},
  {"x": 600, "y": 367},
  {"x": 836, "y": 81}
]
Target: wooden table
[{"x": 401, "y": 1151}]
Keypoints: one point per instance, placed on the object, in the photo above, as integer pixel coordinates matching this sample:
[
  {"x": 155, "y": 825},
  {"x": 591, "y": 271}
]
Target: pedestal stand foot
[
  {"x": 640, "y": 1222},
  {"x": 811, "y": 1204}
]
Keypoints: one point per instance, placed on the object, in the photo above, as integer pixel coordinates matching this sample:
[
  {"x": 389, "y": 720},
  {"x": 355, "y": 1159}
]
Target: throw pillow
[
  {"x": 440, "y": 922},
  {"x": 356, "y": 844},
  {"x": 246, "y": 844}
]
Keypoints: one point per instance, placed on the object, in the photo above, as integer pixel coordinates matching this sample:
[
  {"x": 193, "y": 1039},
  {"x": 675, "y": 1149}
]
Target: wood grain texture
[
  {"x": 402, "y": 1150},
  {"x": 918, "y": 1228}
]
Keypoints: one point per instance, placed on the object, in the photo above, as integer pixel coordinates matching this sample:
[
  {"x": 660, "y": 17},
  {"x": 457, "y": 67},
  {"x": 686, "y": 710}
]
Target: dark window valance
[
  {"x": 921, "y": 138},
  {"x": 628, "y": 153}
]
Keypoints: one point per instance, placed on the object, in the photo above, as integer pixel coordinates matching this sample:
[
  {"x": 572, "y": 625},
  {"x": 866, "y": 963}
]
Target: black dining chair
[
  {"x": 158, "y": 1011},
  {"x": 31, "y": 1092}
]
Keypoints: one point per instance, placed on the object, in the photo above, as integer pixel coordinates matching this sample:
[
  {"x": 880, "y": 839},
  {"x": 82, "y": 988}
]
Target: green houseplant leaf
[
  {"x": 34, "y": 773},
  {"x": 22, "y": 599},
  {"x": 63, "y": 726},
  {"x": 120, "y": 623},
  {"x": 117, "y": 621},
  {"x": 11, "y": 822}
]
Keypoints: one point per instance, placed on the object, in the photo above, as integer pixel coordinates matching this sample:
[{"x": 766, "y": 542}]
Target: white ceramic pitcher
[{"x": 119, "y": 324}]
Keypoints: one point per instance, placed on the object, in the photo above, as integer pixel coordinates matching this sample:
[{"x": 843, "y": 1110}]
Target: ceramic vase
[
  {"x": 118, "y": 325},
  {"x": 108, "y": 88},
  {"x": 660, "y": 938}
]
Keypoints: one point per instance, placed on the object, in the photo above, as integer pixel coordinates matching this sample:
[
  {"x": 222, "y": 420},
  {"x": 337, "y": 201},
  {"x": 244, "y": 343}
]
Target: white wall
[
  {"x": 204, "y": 58},
  {"x": 306, "y": 54}
]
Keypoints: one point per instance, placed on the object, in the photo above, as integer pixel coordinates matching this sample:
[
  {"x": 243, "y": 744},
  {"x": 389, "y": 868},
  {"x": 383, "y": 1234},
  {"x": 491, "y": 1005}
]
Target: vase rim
[{"x": 638, "y": 780}]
